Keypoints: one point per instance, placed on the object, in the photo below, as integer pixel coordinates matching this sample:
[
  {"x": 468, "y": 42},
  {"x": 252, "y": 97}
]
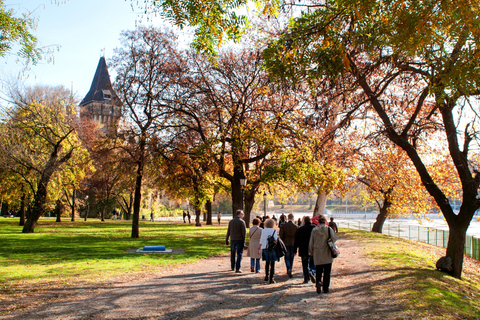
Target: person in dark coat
[
  {"x": 287, "y": 234},
  {"x": 302, "y": 239},
  {"x": 237, "y": 232},
  {"x": 184, "y": 216}
]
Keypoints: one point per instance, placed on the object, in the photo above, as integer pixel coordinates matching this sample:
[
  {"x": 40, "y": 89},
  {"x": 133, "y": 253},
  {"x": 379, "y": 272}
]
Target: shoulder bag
[{"x": 333, "y": 247}]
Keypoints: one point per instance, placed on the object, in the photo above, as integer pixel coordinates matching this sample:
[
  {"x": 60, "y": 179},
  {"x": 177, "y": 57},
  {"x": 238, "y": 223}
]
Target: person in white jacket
[{"x": 269, "y": 256}]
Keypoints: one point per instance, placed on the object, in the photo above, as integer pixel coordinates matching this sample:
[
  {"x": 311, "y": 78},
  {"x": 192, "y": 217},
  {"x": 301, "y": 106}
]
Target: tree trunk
[
  {"x": 320, "y": 204},
  {"x": 455, "y": 249},
  {"x": 237, "y": 189},
  {"x": 381, "y": 217},
  {"x": 249, "y": 202},
  {"x": 197, "y": 218},
  {"x": 138, "y": 189},
  {"x": 59, "y": 211},
  {"x": 22, "y": 211},
  {"x": 136, "y": 203},
  {"x": 74, "y": 195},
  {"x": 38, "y": 207},
  {"x": 208, "y": 207},
  {"x": 5, "y": 208}
]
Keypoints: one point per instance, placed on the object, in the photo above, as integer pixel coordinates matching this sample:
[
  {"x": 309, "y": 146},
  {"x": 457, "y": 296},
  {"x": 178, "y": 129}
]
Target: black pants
[
  {"x": 269, "y": 266},
  {"x": 324, "y": 271}
]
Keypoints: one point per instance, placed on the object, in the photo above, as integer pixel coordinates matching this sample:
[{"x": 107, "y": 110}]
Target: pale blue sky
[{"x": 82, "y": 29}]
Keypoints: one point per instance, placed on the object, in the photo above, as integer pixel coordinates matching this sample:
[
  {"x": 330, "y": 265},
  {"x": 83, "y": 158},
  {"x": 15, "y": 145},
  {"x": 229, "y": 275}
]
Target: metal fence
[{"x": 419, "y": 233}]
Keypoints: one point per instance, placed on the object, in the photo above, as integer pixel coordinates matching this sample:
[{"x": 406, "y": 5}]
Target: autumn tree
[
  {"x": 238, "y": 117},
  {"x": 392, "y": 183},
  {"x": 147, "y": 65},
  {"x": 416, "y": 65},
  {"x": 38, "y": 142}
]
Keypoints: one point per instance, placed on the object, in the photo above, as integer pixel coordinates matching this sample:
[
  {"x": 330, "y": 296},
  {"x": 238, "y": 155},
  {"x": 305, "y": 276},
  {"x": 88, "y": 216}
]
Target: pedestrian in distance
[
  {"x": 254, "y": 234},
  {"x": 287, "y": 234},
  {"x": 188, "y": 216},
  {"x": 219, "y": 217},
  {"x": 322, "y": 256},
  {"x": 269, "y": 256},
  {"x": 184, "y": 216},
  {"x": 237, "y": 232},
  {"x": 302, "y": 240},
  {"x": 333, "y": 225}
]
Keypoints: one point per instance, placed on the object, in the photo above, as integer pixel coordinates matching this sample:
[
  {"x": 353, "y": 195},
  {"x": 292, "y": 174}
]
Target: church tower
[{"x": 101, "y": 103}]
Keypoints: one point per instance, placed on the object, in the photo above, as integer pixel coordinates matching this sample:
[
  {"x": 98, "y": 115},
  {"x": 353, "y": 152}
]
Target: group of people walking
[{"x": 309, "y": 239}]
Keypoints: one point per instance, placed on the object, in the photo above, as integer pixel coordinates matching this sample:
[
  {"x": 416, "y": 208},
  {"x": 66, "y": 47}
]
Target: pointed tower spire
[{"x": 101, "y": 101}]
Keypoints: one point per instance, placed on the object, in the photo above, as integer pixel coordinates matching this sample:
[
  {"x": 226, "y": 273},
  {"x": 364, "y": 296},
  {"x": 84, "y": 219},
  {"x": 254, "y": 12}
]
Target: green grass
[
  {"x": 63, "y": 254},
  {"x": 407, "y": 270},
  {"x": 94, "y": 251}
]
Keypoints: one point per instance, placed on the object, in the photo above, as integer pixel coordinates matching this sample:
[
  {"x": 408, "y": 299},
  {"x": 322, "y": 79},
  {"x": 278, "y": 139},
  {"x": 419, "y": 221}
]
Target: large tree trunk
[
  {"x": 249, "y": 202},
  {"x": 456, "y": 247},
  {"x": 38, "y": 208},
  {"x": 237, "y": 193},
  {"x": 208, "y": 207},
  {"x": 320, "y": 204}
]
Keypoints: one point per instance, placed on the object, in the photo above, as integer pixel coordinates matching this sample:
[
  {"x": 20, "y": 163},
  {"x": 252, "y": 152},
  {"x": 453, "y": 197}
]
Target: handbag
[
  {"x": 281, "y": 250},
  {"x": 333, "y": 247}
]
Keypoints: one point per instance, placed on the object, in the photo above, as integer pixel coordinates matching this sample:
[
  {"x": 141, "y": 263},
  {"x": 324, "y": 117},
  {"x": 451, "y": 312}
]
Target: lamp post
[
  {"x": 264, "y": 205},
  {"x": 243, "y": 183}
]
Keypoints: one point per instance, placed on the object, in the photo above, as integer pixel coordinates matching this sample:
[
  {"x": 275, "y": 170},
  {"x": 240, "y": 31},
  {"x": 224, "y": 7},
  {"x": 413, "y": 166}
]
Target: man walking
[
  {"x": 237, "y": 231},
  {"x": 287, "y": 234},
  {"x": 302, "y": 240}
]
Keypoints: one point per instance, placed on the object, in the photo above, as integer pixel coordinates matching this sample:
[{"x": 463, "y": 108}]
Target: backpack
[{"x": 271, "y": 243}]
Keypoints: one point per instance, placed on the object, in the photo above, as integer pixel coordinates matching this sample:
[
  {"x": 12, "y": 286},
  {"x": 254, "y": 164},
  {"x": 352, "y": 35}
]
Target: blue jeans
[
  {"x": 255, "y": 263},
  {"x": 289, "y": 256},
  {"x": 236, "y": 247},
  {"x": 308, "y": 267}
]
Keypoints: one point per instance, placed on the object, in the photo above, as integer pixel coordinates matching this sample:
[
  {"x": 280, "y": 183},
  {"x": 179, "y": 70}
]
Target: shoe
[
  {"x": 271, "y": 281},
  {"x": 238, "y": 271},
  {"x": 312, "y": 277},
  {"x": 305, "y": 281},
  {"x": 319, "y": 288},
  {"x": 289, "y": 272},
  {"x": 266, "y": 278},
  {"x": 252, "y": 269},
  {"x": 326, "y": 291}
]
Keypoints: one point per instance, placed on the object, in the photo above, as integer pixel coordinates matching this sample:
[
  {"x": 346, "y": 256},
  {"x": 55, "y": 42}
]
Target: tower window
[{"x": 107, "y": 95}]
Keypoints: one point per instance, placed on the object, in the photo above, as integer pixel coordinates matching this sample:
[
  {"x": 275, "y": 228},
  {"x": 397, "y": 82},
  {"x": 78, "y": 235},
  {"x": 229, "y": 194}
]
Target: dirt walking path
[{"x": 209, "y": 290}]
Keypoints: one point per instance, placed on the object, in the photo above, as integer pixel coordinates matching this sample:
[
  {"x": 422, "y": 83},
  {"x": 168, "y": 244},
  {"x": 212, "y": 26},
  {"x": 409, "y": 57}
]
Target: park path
[{"x": 209, "y": 290}]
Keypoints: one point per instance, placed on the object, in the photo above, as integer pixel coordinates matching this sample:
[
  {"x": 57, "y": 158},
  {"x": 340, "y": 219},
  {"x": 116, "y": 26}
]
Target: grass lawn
[
  {"x": 63, "y": 254},
  {"x": 66, "y": 253},
  {"x": 408, "y": 277}
]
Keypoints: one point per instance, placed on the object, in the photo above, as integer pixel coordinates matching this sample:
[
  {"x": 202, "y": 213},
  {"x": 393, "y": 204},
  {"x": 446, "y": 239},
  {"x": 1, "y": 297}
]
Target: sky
[{"x": 84, "y": 30}]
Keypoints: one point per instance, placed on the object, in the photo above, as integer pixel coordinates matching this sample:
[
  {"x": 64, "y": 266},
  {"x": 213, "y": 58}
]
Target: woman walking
[
  {"x": 269, "y": 256},
  {"x": 322, "y": 256},
  {"x": 255, "y": 234}
]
